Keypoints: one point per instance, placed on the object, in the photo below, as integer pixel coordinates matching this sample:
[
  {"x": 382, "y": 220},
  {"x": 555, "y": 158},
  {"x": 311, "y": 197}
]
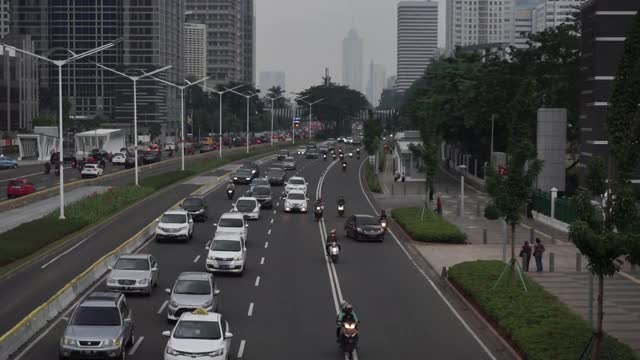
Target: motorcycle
[
  {"x": 341, "y": 210},
  {"x": 230, "y": 193},
  {"x": 341, "y": 156},
  {"x": 349, "y": 337},
  {"x": 351, "y": 155},
  {"x": 318, "y": 213},
  {"x": 383, "y": 223},
  {"x": 324, "y": 157},
  {"x": 334, "y": 252},
  {"x": 334, "y": 156},
  {"x": 344, "y": 167}
]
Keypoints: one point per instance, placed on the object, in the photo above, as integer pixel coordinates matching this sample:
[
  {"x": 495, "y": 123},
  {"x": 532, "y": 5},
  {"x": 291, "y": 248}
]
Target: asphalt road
[{"x": 284, "y": 306}]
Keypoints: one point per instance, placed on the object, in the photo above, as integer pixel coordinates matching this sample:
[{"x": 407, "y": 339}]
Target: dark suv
[
  {"x": 311, "y": 153},
  {"x": 197, "y": 207},
  {"x": 255, "y": 170},
  {"x": 151, "y": 156},
  {"x": 100, "y": 327},
  {"x": 283, "y": 154}
]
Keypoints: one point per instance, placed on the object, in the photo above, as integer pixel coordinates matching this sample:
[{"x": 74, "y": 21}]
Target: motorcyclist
[
  {"x": 231, "y": 186},
  {"x": 320, "y": 203},
  {"x": 346, "y": 313},
  {"x": 344, "y": 164},
  {"x": 341, "y": 201},
  {"x": 383, "y": 215},
  {"x": 331, "y": 240}
]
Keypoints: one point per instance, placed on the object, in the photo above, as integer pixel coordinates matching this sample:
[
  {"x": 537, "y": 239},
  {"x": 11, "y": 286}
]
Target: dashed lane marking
[
  {"x": 250, "y": 312},
  {"x": 136, "y": 345},
  {"x": 164, "y": 305},
  {"x": 241, "y": 349},
  {"x": 272, "y": 221},
  {"x": 266, "y": 244},
  {"x": 257, "y": 281},
  {"x": 269, "y": 232},
  {"x": 196, "y": 259},
  {"x": 262, "y": 261}
]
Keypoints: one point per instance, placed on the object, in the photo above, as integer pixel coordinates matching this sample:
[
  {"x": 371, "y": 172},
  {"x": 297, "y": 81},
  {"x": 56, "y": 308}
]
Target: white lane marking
[
  {"x": 21, "y": 176},
  {"x": 257, "y": 281},
  {"x": 164, "y": 305},
  {"x": 269, "y": 232},
  {"x": 241, "y": 349},
  {"x": 250, "y": 312},
  {"x": 424, "y": 274},
  {"x": 272, "y": 221},
  {"x": 266, "y": 244},
  {"x": 277, "y": 204},
  {"x": 196, "y": 259},
  {"x": 262, "y": 261},
  {"x": 65, "y": 253},
  {"x": 274, "y": 211},
  {"x": 41, "y": 187},
  {"x": 136, "y": 346}
]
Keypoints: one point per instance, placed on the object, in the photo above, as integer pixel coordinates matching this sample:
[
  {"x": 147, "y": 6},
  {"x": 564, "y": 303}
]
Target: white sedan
[
  {"x": 200, "y": 334},
  {"x": 91, "y": 170},
  {"x": 118, "y": 159},
  {"x": 249, "y": 207},
  {"x": 296, "y": 183}
]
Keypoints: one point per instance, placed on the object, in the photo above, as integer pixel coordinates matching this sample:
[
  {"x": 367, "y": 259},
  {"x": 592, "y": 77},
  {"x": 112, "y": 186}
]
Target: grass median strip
[
  {"x": 537, "y": 323},
  {"x": 428, "y": 228},
  {"x": 372, "y": 179},
  {"x": 30, "y": 237}
]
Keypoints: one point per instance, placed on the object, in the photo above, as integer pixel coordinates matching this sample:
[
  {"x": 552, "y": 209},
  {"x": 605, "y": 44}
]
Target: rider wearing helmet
[
  {"x": 332, "y": 239},
  {"x": 341, "y": 200},
  {"x": 346, "y": 313},
  {"x": 320, "y": 203},
  {"x": 231, "y": 186},
  {"x": 383, "y": 215}
]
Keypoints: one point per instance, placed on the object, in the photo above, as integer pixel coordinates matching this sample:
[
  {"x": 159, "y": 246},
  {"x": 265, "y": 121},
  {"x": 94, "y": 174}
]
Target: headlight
[
  {"x": 234, "y": 178},
  {"x": 253, "y": 171},
  {"x": 170, "y": 351},
  {"x": 304, "y": 209},
  {"x": 207, "y": 304},
  {"x": 143, "y": 281},
  {"x": 248, "y": 178},
  {"x": 239, "y": 258},
  {"x": 68, "y": 341},
  {"x": 173, "y": 303},
  {"x": 359, "y": 229},
  {"x": 112, "y": 342},
  {"x": 210, "y": 257},
  {"x": 111, "y": 281},
  {"x": 218, "y": 352},
  {"x": 287, "y": 209}
]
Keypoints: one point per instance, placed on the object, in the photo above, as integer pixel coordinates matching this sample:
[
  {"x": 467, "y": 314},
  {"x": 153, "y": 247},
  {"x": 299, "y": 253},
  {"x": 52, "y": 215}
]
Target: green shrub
[
  {"x": 492, "y": 212},
  {"x": 538, "y": 324},
  {"x": 431, "y": 228},
  {"x": 372, "y": 179}
]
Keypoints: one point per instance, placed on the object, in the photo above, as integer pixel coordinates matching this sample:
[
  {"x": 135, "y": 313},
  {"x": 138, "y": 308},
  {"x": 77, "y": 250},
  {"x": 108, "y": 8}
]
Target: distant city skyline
[
  {"x": 271, "y": 78},
  {"x": 353, "y": 60}
]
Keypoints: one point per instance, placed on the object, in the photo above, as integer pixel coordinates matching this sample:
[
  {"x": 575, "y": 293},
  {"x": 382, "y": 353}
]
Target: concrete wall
[{"x": 551, "y": 146}]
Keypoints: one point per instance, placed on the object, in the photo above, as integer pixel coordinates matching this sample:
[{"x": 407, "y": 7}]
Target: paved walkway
[{"x": 569, "y": 278}]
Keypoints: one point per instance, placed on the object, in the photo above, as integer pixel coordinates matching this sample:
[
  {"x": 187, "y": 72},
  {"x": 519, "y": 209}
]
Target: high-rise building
[
  {"x": 377, "y": 78},
  {"x": 249, "y": 42},
  {"x": 604, "y": 28},
  {"x": 18, "y": 85},
  {"x": 225, "y": 37},
  {"x": 551, "y": 13},
  {"x": 5, "y": 17},
  {"x": 417, "y": 40},
  {"x": 269, "y": 79},
  {"x": 195, "y": 50},
  {"x": 479, "y": 22},
  {"x": 352, "y": 60},
  {"x": 524, "y": 26},
  {"x": 391, "y": 82}
]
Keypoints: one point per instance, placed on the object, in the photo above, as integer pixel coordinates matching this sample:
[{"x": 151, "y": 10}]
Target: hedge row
[
  {"x": 372, "y": 179},
  {"x": 428, "y": 228}
]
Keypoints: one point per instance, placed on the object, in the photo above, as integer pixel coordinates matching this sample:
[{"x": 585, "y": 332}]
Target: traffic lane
[
  {"x": 20, "y": 171},
  {"x": 402, "y": 315},
  {"x": 27, "y": 289}
]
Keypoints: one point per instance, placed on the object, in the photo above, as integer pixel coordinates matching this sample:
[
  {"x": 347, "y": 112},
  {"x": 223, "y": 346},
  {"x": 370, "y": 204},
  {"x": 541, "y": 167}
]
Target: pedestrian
[
  {"x": 402, "y": 176},
  {"x": 439, "y": 206},
  {"x": 538, "y": 250},
  {"x": 396, "y": 177},
  {"x": 525, "y": 254}
]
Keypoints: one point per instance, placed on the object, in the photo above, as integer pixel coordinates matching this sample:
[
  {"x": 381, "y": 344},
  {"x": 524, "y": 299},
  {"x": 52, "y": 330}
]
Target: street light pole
[
  {"x": 310, "y": 108},
  {"x": 60, "y": 64},
  {"x": 492, "y": 121},
  {"x": 134, "y": 79},
  {"x": 272, "y": 110},
  {"x": 251, "y": 94},
  {"x": 181, "y": 88},
  {"x": 220, "y": 93}
]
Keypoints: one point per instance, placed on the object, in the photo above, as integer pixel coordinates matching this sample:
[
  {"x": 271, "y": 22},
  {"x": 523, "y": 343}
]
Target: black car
[
  {"x": 324, "y": 149},
  {"x": 243, "y": 176},
  {"x": 283, "y": 154},
  {"x": 263, "y": 195},
  {"x": 151, "y": 156},
  {"x": 364, "y": 227},
  {"x": 276, "y": 176},
  {"x": 197, "y": 207},
  {"x": 130, "y": 161},
  {"x": 311, "y": 153},
  {"x": 255, "y": 170}
]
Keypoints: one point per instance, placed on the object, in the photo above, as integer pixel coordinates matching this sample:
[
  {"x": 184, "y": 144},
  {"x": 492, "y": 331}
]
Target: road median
[{"x": 421, "y": 224}]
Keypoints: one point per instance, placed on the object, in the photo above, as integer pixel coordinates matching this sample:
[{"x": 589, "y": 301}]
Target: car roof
[
  {"x": 276, "y": 168},
  {"x": 190, "y": 316},
  {"x": 247, "y": 198},
  {"x": 296, "y": 178},
  {"x": 176, "y": 212},
  {"x": 230, "y": 215},
  {"x": 297, "y": 192},
  {"x": 134, "y": 256},
  {"x": 102, "y": 299},
  {"x": 362, "y": 216},
  {"x": 227, "y": 236},
  {"x": 194, "y": 275},
  {"x": 268, "y": 187},
  {"x": 200, "y": 197},
  {"x": 289, "y": 158}
]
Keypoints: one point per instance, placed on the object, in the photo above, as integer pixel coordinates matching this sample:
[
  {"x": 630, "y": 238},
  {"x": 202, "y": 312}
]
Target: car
[
  {"x": 311, "y": 154},
  {"x": 130, "y": 161},
  {"x": 363, "y": 227},
  {"x": 255, "y": 170},
  {"x": 91, "y": 170},
  {"x": 282, "y": 154},
  {"x": 119, "y": 159},
  {"x": 289, "y": 163},
  {"x": 263, "y": 195},
  {"x": 151, "y": 156},
  {"x": 348, "y": 140},
  {"x": 357, "y": 141},
  {"x": 295, "y": 201},
  {"x": 192, "y": 290},
  {"x": 262, "y": 181},
  {"x": 205, "y": 148},
  {"x": 133, "y": 273},
  {"x": 232, "y": 223},
  {"x": 296, "y": 183},
  {"x": 199, "y": 334},
  {"x": 7, "y": 162},
  {"x": 174, "y": 225},
  {"x": 197, "y": 207},
  {"x": 101, "y": 326},
  {"x": 243, "y": 176},
  {"x": 277, "y": 164},
  {"x": 324, "y": 149},
  {"x": 276, "y": 176},
  {"x": 301, "y": 150},
  {"x": 99, "y": 154},
  {"x": 227, "y": 252},
  {"x": 249, "y": 207},
  {"x": 20, "y": 187},
  {"x": 170, "y": 146}
]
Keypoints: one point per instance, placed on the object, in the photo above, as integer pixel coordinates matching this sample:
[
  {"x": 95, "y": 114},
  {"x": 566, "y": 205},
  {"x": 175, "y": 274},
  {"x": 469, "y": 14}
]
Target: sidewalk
[{"x": 569, "y": 278}]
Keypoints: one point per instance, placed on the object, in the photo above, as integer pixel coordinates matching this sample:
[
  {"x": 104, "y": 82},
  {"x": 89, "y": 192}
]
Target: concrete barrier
[{"x": 29, "y": 326}]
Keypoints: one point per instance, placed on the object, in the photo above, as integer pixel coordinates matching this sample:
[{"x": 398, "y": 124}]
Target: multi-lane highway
[{"x": 284, "y": 306}]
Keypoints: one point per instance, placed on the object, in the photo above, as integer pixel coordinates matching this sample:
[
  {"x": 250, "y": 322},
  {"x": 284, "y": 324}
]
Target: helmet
[
  {"x": 319, "y": 200},
  {"x": 382, "y": 212},
  {"x": 333, "y": 231},
  {"x": 347, "y": 308}
]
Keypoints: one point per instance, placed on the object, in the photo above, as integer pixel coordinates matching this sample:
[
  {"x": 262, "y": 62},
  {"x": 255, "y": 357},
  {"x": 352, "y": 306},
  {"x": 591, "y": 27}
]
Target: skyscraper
[
  {"x": 550, "y": 13},
  {"x": 479, "y": 22},
  {"x": 524, "y": 25},
  {"x": 5, "y": 17},
  {"x": 249, "y": 39},
  {"x": 352, "y": 60},
  {"x": 195, "y": 50},
  {"x": 377, "y": 78},
  {"x": 417, "y": 40},
  {"x": 269, "y": 79}
]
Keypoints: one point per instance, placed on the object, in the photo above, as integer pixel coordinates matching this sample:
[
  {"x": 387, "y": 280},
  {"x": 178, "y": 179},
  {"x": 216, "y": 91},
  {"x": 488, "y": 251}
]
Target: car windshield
[
  {"x": 367, "y": 220},
  {"x": 203, "y": 330},
  {"x": 249, "y": 166},
  {"x": 296, "y": 181},
  {"x": 289, "y": 159},
  {"x": 173, "y": 219},
  {"x": 132, "y": 264},
  {"x": 296, "y": 196},
  {"x": 225, "y": 245},
  {"x": 89, "y": 166},
  {"x": 96, "y": 316},
  {"x": 257, "y": 182},
  {"x": 118, "y": 154},
  {"x": 193, "y": 202},
  {"x": 228, "y": 222},
  {"x": 261, "y": 190},
  {"x": 16, "y": 183},
  {"x": 149, "y": 153},
  {"x": 192, "y": 287},
  {"x": 246, "y": 205},
  {"x": 274, "y": 173},
  {"x": 284, "y": 153},
  {"x": 243, "y": 173}
]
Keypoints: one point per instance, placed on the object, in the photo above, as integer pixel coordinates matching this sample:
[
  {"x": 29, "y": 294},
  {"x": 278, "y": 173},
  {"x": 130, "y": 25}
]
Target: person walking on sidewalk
[
  {"x": 525, "y": 254},
  {"x": 538, "y": 250},
  {"x": 439, "y": 206}
]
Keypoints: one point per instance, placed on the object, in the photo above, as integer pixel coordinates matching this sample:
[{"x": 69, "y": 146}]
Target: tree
[{"x": 372, "y": 133}]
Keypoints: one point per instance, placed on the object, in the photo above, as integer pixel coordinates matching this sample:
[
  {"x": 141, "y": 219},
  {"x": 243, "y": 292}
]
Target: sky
[{"x": 302, "y": 37}]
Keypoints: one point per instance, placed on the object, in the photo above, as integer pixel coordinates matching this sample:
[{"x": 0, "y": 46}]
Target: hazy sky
[{"x": 302, "y": 37}]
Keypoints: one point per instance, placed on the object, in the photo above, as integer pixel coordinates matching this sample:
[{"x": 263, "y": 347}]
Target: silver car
[
  {"x": 192, "y": 290},
  {"x": 289, "y": 163},
  {"x": 100, "y": 327},
  {"x": 134, "y": 273}
]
